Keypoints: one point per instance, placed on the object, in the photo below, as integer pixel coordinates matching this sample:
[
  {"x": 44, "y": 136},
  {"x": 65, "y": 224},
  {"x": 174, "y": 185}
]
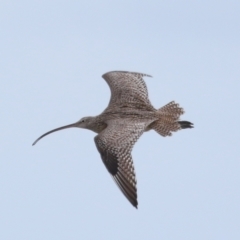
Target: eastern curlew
[{"x": 128, "y": 115}]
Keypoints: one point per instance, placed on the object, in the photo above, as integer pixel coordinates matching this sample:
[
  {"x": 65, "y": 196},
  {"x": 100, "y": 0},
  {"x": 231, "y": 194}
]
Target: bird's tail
[{"x": 169, "y": 120}]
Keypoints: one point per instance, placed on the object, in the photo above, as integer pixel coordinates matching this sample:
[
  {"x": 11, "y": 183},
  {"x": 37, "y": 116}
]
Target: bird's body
[{"x": 127, "y": 116}]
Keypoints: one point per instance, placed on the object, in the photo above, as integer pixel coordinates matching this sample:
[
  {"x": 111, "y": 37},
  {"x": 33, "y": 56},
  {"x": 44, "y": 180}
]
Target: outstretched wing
[
  {"x": 127, "y": 88},
  {"x": 115, "y": 144}
]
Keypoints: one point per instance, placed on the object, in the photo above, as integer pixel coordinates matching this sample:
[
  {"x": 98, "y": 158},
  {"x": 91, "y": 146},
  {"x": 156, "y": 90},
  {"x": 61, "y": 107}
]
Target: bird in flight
[{"x": 128, "y": 115}]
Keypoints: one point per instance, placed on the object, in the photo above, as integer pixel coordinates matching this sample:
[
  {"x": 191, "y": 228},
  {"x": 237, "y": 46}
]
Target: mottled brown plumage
[{"x": 128, "y": 115}]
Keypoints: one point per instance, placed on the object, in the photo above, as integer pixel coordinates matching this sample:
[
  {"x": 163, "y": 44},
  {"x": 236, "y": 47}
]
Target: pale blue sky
[{"x": 53, "y": 54}]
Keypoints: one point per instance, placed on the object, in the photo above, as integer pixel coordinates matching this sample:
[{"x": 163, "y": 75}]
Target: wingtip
[
  {"x": 135, "y": 204},
  {"x": 143, "y": 74}
]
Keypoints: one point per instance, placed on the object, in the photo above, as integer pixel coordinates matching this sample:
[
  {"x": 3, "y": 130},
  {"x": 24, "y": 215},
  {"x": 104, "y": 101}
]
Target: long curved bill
[{"x": 55, "y": 130}]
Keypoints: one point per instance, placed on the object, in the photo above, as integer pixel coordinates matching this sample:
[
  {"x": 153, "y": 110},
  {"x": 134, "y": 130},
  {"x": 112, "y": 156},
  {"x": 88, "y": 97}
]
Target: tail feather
[
  {"x": 169, "y": 120},
  {"x": 185, "y": 124}
]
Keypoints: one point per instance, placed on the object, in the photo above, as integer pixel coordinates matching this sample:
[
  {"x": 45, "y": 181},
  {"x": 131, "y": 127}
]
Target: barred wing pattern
[
  {"x": 127, "y": 88},
  {"x": 115, "y": 144}
]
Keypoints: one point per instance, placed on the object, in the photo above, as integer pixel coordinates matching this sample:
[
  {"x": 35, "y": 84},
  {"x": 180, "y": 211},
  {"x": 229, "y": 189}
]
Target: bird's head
[{"x": 85, "y": 122}]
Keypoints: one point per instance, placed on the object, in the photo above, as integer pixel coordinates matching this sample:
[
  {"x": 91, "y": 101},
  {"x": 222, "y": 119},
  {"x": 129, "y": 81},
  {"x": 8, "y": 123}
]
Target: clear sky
[{"x": 52, "y": 56}]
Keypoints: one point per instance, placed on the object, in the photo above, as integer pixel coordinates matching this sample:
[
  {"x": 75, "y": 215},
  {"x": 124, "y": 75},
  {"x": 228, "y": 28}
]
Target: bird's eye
[{"x": 83, "y": 120}]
